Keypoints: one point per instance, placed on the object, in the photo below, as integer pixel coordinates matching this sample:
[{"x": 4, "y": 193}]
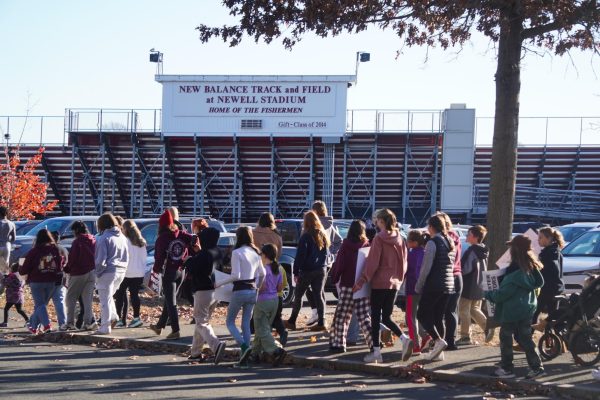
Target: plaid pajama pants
[{"x": 343, "y": 313}]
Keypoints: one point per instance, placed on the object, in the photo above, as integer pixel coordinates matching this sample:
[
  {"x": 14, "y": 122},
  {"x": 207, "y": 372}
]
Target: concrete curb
[{"x": 390, "y": 370}]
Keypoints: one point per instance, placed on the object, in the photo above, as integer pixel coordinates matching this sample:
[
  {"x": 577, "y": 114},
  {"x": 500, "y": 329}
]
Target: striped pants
[{"x": 343, "y": 313}]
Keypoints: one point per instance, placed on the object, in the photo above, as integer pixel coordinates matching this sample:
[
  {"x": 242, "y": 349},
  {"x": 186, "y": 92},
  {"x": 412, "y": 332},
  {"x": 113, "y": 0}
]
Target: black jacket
[
  {"x": 309, "y": 257},
  {"x": 552, "y": 259},
  {"x": 201, "y": 266},
  {"x": 474, "y": 262}
]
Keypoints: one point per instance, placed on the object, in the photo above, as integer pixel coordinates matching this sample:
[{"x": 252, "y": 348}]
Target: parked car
[
  {"x": 23, "y": 227},
  {"x": 232, "y": 227},
  {"x": 581, "y": 256},
  {"x": 290, "y": 230},
  {"x": 522, "y": 227},
  {"x": 62, "y": 225},
  {"x": 149, "y": 227},
  {"x": 571, "y": 232}
]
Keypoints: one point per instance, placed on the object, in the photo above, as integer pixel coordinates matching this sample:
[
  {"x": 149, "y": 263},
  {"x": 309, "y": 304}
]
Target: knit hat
[
  {"x": 199, "y": 225},
  {"x": 165, "y": 220},
  {"x": 520, "y": 242}
]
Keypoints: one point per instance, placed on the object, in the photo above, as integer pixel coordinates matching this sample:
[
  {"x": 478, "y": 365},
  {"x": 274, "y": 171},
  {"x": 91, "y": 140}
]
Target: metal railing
[
  {"x": 569, "y": 204},
  {"x": 112, "y": 120}
]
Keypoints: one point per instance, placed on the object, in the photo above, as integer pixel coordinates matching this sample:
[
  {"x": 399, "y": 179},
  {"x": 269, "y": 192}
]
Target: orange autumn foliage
[{"x": 21, "y": 189}]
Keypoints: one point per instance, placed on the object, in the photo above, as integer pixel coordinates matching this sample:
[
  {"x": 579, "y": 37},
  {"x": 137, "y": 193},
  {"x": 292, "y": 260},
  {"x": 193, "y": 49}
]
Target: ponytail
[
  {"x": 555, "y": 235},
  {"x": 270, "y": 252},
  {"x": 438, "y": 223}
]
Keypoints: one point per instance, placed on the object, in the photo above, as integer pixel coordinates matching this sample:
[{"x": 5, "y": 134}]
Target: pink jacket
[{"x": 386, "y": 262}]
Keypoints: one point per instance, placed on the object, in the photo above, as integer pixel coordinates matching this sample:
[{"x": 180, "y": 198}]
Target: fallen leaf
[
  {"x": 100, "y": 384},
  {"x": 133, "y": 358},
  {"x": 231, "y": 380},
  {"x": 313, "y": 339}
]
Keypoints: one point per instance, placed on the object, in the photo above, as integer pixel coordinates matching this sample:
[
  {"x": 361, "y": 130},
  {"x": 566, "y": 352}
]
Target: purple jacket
[
  {"x": 14, "y": 289},
  {"x": 415, "y": 259}
]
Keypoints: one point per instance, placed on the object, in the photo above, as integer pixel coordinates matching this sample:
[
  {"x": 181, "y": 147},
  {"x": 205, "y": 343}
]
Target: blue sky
[{"x": 69, "y": 54}]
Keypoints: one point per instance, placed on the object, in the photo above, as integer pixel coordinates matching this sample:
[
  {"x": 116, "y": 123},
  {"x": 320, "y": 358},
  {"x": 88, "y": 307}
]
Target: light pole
[
  {"x": 361, "y": 57},
  {"x": 157, "y": 57}
]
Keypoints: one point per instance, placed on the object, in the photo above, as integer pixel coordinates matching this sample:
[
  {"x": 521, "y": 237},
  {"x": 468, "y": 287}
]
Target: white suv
[{"x": 581, "y": 255}]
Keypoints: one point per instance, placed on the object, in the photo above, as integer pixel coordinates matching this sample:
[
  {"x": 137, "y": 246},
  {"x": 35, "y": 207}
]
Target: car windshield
[
  {"x": 52, "y": 225},
  {"x": 571, "y": 233},
  {"x": 586, "y": 245}
]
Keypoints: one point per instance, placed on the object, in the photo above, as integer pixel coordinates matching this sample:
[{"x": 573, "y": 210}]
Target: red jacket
[
  {"x": 43, "y": 264},
  {"x": 81, "y": 256},
  {"x": 344, "y": 266}
]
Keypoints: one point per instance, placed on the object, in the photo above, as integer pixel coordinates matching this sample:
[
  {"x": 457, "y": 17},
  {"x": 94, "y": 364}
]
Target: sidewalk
[{"x": 470, "y": 365}]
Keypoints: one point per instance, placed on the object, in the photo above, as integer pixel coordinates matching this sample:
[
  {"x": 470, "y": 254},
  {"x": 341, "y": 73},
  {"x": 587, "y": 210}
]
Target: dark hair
[
  {"x": 14, "y": 267},
  {"x": 106, "y": 221},
  {"x": 357, "y": 232},
  {"x": 79, "y": 228},
  {"x": 438, "y": 223},
  {"x": 3, "y": 211},
  {"x": 56, "y": 236},
  {"x": 417, "y": 236},
  {"x": 244, "y": 237},
  {"x": 479, "y": 232},
  {"x": 270, "y": 251},
  {"x": 266, "y": 220},
  {"x": 43, "y": 238}
]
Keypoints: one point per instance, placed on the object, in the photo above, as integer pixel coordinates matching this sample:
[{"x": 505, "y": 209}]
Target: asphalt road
[{"x": 38, "y": 370}]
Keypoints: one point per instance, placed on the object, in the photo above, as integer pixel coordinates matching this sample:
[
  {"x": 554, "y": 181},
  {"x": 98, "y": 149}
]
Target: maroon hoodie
[
  {"x": 81, "y": 256},
  {"x": 456, "y": 270},
  {"x": 171, "y": 250},
  {"x": 43, "y": 264},
  {"x": 344, "y": 266}
]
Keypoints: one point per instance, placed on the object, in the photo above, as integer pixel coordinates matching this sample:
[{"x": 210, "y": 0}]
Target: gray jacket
[
  {"x": 334, "y": 236},
  {"x": 8, "y": 232},
  {"x": 112, "y": 252}
]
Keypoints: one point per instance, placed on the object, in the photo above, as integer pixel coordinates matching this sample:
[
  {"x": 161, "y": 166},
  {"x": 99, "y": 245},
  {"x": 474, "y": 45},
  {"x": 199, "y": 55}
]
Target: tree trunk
[{"x": 501, "y": 202}]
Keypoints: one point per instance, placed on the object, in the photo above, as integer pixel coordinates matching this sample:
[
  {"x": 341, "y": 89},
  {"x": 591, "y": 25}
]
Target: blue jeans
[
  {"x": 241, "y": 300},
  {"x": 42, "y": 293},
  {"x": 58, "y": 298}
]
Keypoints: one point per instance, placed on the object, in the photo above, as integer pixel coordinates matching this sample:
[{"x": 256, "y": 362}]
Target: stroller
[{"x": 575, "y": 324}]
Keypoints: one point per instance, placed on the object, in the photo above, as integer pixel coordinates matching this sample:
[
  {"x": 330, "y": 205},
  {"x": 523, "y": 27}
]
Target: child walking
[
  {"x": 416, "y": 249},
  {"x": 14, "y": 294},
  {"x": 516, "y": 302},
  {"x": 266, "y": 308},
  {"x": 474, "y": 263},
  {"x": 343, "y": 275}
]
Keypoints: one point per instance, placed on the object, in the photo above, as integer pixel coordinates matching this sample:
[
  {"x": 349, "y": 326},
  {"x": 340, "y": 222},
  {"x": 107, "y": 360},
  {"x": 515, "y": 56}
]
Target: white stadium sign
[{"x": 254, "y": 105}]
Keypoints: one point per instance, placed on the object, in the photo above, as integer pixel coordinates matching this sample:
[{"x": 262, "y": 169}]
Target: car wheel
[{"x": 288, "y": 293}]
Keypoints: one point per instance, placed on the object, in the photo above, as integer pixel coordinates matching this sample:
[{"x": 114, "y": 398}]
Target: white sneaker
[
  {"x": 374, "y": 357},
  {"x": 438, "y": 347},
  {"x": 502, "y": 373},
  {"x": 314, "y": 318},
  {"x": 91, "y": 327},
  {"x": 440, "y": 357},
  {"x": 407, "y": 347}
]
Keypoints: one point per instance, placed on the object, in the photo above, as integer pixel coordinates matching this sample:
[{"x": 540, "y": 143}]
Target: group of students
[
  {"x": 109, "y": 263},
  {"x": 441, "y": 283}
]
